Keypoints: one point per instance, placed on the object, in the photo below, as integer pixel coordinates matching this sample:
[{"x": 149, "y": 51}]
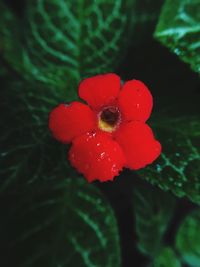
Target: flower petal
[
  {"x": 100, "y": 90},
  {"x": 96, "y": 156},
  {"x": 69, "y": 121},
  {"x": 135, "y": 101},
  {"x": 138, "y": 143}
]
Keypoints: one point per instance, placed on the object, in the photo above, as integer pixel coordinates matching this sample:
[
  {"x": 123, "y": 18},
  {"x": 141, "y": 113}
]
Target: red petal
[
  {"x": 135, "y": 101},
  {"x": 100, "y": 90},
  {"x": 138, "y": 143},
  {"x": 69, "y": 121},
  {"x": 97, "y": 157}
]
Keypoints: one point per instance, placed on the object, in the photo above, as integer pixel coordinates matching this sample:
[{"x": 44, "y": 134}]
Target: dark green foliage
[
  {"x": 166, "y": 258},
  {"x": 50, "y": 217},
  {"x": 60, "y": 42},
  {"x": 145, "y": 17},
  {"x": 28, "y": 152},
  {"x": 60, "y": 223},
  {"x": 178, "y": 129},
  {"x": 188, "y": 239},
  {"x": 153, "y": 211},
  {"x": 179, "y": 29}
]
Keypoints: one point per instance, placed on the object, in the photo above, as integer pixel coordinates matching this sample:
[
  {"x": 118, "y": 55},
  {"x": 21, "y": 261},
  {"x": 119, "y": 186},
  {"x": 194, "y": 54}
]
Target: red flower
[{"x": 110, "y": 133}]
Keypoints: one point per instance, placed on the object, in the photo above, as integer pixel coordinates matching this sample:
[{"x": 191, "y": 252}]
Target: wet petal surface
[
  {"x": 69, "y": 121},
  {"x": 135, "y": 101},
  {"x": 100, "y": 90},
  {"x": 97, "y": 156},
  {"x": 138, "y": 143}
]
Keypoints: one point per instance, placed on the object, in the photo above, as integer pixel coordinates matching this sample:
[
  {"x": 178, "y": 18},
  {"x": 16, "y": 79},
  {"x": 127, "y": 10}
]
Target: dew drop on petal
[
  {"x": 93, "y": 134},
  {"x": 102, "y": 155},
  {"x": 158, "y": 168},
  {"x": 114, "y": 168}
]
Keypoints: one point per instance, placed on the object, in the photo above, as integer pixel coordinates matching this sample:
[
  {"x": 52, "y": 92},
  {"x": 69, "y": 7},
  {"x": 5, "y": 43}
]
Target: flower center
[{"x": 109, "y": 119}]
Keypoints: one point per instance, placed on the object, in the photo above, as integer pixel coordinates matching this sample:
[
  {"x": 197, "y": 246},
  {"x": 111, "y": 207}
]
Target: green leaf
[
  {"x": 64, "y": 41},
  {"x": 178, "y": 168},
  {"x": 153, "y": 211},
  {"x": 60, "y": 223},
  {"x": 188, "y": 239},
  {"x": 166, "y": 258},
  {"x": 10, "y": 45},
  {"x": 27, "y": 149},
  {"x": 179, "y": 30}
]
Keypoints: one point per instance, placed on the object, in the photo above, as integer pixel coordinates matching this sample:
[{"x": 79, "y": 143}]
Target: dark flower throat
[{"x": 110, "y": 115}]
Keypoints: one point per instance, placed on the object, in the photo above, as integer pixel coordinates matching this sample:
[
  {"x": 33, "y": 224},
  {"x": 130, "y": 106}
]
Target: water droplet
[
  {"x": 177, "y": 51},
  {"x": 178, "y": 183},
  {"x": 158, "y": 168},
  {"x": 99, "y": 201},
  {"x": 93, "y": 134},
  {"x": 114, "y": 168},
  {"x": 3, "y": 154},
  {"x": 102, "y": 155},
  {"x": 98, "y": 144}
]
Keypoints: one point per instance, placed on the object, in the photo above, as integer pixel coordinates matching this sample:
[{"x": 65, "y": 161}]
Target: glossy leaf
[
  {"x": 10, "y": 45},
  {"x": 153, "y": 211},
  {"x": 60, "y": 42},
  {"x": 27, "y": 149},
  {"x": 167, "y": 257},
  {"x": 60, "y": 223},
  {"x": 188, "y": 239},
  {"x": 179, "y": 29},
  {"x": 178, "y": 168}
]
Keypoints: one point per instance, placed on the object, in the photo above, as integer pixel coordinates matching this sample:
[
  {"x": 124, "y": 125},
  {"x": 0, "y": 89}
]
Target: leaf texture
[
  {"x": 66, "y": 222},
  {"x": 179, "y": 30},
  {"x": 61, "y": 42}
]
